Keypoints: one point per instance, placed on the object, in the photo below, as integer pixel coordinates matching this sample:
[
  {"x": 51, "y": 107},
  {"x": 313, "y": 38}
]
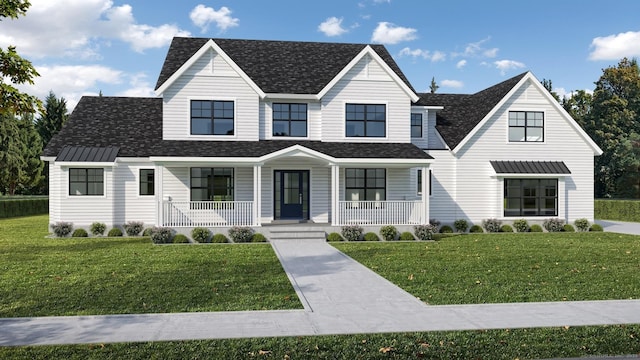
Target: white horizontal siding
[
  {"x": 176, "y": 183},
  {"x": 177, "y": 113},
  {"x": 374, "y": 89},
  {"x": 243, "y": 177},
  {"x": 320, "y": 194},
  {"x": 55, "y": 192},
  {"x": 82, "y": 211},
  {"x": 128, "y": 204},
  {"x": 479, "y": 192},
  {"x": 422, "y": 141},
  {"x": 314, "y": 119},
  {"x": 442, "y": 202},
  {"x": 434, "y": 138}
]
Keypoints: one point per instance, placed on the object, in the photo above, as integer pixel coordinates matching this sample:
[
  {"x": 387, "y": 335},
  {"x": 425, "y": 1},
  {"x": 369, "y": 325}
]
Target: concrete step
[{"x": 297, "y": 234}]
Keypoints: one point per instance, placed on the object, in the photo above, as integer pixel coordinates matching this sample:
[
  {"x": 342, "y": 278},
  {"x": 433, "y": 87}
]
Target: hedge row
[
  {"x": 621, "y": 210},
  {"x": 23, "y": 207}
]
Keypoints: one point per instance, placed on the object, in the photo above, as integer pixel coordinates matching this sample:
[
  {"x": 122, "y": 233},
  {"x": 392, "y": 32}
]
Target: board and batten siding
[
  {"x": 210, "y": 78},
  {"x": 366, "y": 83},
  {"x": 480, "y": 191},
  {"x": 129, "y": 205}
]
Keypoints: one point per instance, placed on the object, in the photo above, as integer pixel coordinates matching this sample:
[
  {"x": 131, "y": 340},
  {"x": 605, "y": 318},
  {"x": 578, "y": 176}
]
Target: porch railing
[
  {"x": 380, "y": 212},
  {"x": 207, "y": 213}
]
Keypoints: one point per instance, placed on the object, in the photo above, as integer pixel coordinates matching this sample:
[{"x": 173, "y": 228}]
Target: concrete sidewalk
[
  {"x": 340, "y": 296},
  {"x": 622, "y": 227}
]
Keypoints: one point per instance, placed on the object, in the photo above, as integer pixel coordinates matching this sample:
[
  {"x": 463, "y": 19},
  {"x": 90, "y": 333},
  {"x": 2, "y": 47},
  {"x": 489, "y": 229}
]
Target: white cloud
[
  {"x": 202, "y": 16},
  {"x": 332, "y": 27},
  {"x": 506, "y": 65},
  {"x": 477, "y": 49},
  {"x": 71, "y": 82},
  {"x": 425, "y": 54},
  {"x": 140, "y": 87},
  {"x": 78, "y": 28},
  {"x": 388, "y": 33},
  {"x": 490, "y": 53},
  {"x": 457, "y": 84},
  {"x": 615, "y": 47},
  {"x": 461, "y": 64}
]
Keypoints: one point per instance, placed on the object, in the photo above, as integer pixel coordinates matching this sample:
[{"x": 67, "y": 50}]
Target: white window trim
[
  {"x": 67, "y": 175},
  {"x": 212, "y": 137},
  {"x": 544, "y": 128},
  {"x": 364, "y": 138},
  {"x": 235, "y": 181},
  {"x": 269, "y": 120},
  {"x": 155, "y": 184}
]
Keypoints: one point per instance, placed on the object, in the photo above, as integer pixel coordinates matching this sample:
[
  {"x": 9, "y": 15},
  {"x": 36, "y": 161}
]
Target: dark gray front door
[{"x": 291, "y": 190}]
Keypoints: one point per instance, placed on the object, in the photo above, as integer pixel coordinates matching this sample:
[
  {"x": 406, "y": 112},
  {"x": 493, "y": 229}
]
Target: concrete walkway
[
  {"x": 620, "y": 226},
  {"x": 340, "y": 296}
]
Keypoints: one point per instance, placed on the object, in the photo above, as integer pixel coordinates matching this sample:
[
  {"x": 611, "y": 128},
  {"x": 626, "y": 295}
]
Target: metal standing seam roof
[
  {"x": 530, "y": 167},
  {"x": 88, "y": 154}
]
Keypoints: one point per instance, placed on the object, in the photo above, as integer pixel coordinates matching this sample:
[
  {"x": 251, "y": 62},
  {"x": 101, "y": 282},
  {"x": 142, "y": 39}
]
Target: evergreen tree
[
  {"x": 20, "y": 148},
  {"x": 434, "y": 86},
  {"x": 52, "y": 118}
]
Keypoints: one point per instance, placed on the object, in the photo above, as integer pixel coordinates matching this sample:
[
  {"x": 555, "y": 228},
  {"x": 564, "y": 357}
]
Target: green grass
[
  {"x": 496, "y": 268},
  {"x": 493, "y": 344},
  {"x": 45, "y": 277}
]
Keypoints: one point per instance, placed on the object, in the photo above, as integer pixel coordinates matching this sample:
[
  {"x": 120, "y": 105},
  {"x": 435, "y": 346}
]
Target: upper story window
[
  {"x": 526, "y": 126},
  {"x": 86, "y": 181},
  {"x": 416, "y": 125},
  {"x": 212, "y": 117},
  {"x": 147, "y": 181},
  {"x": 366, "y": 120},
  {"x": 290, "y": 120}
]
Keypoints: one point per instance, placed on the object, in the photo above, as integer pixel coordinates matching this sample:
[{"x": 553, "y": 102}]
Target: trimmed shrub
[
  {"x": 352, "y": 232},
  {"x": 492, "y": 225},
  {"x": 12, "y": 207},
  {"x": 133, "y": 228},
  {"x": 614, "y": 209},
  {"x": 180, "y": 239},
  {"x": 161, "y": 235},
  {"x": 424, "y": 232},
  {"x": 98, "y": 228},
  {"x": 147, "y": 231},
  {"x": 79, "y": 233},
  {"x": 114, "y": 232},
  {"x": 596, "y": 227},
  {"x": 553, "y": 224},
  {"x": 521, "y": 225},
  {"x": 62, "y": 228},
  {"x": 582, "y": 224},
  {"x": 568, "y": 228},
  {"x": 371, "y": 236},
  {"x": 241, "y": 234},
  {"x": 446, "y": 229},
  {"x": 435, "y": 223},
  {"x": 535, "y": 228},
  {"x": 334, "y": 236},
  {"x": 219, "y": 239},
  {"x": 476, "y": 229},
  {"x": 258, "y": 238},
  {"x": 506, "y": 228},
  {"x": 201, "y": 235},
  {"x": 389, "y": 232},
  {"x": 406, "y": 236},
  {"x": 461, "y": 225}
]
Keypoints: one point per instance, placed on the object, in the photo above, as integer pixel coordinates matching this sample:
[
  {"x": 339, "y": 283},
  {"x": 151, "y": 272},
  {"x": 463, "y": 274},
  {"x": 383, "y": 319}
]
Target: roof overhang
[{"x": 520, "y": 169}]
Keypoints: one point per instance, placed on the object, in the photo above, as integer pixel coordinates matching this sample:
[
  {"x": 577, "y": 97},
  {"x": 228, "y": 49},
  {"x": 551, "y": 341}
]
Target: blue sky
[{"x": 81, "y": 47}]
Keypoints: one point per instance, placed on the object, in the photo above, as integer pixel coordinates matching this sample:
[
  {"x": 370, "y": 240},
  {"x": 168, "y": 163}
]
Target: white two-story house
[{"x": 248, "y": 132}]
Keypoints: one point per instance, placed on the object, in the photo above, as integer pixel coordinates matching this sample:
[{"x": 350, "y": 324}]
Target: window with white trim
[
  {"x": 526, "y": 126},
  {"x": 530, "y": 197},
  {"x": 416, "y": 125},
  {"x": 86, "y": 181},
  {"x": 366, "y": 120},
  {"x": 147, "y": 182},
  {"x": 211, "y": 184},
  {"x": 290, "y": 120},
  {"x": 420, "y": 182},
  {"x": 365, "y": 184},
  {"x": 212, "y": 117}
]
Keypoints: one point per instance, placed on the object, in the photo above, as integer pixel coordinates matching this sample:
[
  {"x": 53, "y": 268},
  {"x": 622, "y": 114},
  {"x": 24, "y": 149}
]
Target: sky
[{"x": 84, "y": 47}]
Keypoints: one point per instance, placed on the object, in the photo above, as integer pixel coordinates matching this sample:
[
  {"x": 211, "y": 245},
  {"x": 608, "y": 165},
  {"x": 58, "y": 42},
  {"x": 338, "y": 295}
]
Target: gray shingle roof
[
  {"x": 89, "y": 154},
  {"x": 462, "y": 112},
  {"x": 530, "y": 167},
  {"x": 291, "y": 67},
  {"x": 134, "y": 125}
]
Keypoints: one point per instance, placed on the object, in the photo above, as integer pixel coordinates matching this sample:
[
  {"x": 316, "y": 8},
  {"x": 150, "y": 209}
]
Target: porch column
[
  {"x": 159, "y": 194},
  {"x": 257, "y": 194},
  {"x": 335, "y": 193},
  {"x": 426, "y": 180}
]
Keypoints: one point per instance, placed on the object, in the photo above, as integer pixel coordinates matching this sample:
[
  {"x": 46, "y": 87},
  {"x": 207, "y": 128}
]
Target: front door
[{"x": 291, "y": 190}]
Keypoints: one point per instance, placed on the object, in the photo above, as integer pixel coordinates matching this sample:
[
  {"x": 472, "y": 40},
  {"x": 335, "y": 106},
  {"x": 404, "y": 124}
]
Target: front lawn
[
  {"x": 45, "y": 277},
  {"x": 496, "y": 268},
  {"x": 493, "y": 344}
]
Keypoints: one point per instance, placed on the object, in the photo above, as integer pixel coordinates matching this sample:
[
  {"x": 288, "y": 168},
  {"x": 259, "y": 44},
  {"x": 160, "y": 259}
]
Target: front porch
[{"x": 296, "y": 184}]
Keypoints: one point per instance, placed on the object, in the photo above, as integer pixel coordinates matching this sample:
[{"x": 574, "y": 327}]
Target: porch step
[{"x": 297, "y": 234}]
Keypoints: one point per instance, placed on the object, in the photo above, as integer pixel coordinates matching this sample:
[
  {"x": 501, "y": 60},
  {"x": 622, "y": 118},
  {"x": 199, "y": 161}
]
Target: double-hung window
[
  {"x": 212, "y": 117},
  {"x": 526, "y": 126},
  {"x": 147, "y": 182},
  {"x": 366, "y": 120},
  {"x": 530, "y": 197},
  {"x": 416, "y": 125},
  {"x": 290, "y": 120},
  {"x": 365, "y": 184},
  {"x": 211, "y": 184},
  {"x": 86, "y": 181}
]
